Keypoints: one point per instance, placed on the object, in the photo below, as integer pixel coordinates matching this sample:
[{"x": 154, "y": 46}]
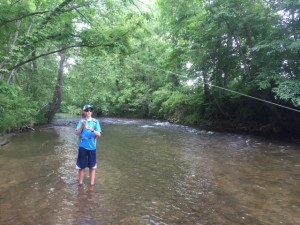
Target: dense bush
[{"x": 16, "y": 109}]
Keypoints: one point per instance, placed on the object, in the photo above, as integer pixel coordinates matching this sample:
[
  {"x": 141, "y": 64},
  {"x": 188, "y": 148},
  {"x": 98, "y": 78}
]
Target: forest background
[{"x": 228, "y": 64}]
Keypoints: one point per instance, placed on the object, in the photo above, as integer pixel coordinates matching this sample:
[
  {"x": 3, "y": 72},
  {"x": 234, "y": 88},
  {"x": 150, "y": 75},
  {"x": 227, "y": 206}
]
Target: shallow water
[{"x": 150, "y": 172}]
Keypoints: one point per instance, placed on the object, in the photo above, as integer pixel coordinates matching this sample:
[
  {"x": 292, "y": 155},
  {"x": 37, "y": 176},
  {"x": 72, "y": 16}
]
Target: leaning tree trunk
[{"x": 54, "y": 106}]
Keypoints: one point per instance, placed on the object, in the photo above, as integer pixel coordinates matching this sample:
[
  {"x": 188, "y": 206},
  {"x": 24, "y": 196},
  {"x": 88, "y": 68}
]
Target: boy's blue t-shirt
[{"x": 87, "y": 138}]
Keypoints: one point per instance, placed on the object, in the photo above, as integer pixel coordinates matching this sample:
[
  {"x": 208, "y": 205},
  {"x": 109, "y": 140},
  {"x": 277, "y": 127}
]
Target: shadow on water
[{"x": 150, "y": 172}]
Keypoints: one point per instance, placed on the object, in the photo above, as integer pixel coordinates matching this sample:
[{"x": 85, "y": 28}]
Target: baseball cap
[{"x": 86, "y": 107}]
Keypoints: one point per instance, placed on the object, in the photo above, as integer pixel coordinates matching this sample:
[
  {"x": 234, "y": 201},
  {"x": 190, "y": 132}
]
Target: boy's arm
[
  {"x": 97, "y": 130},
  {"x": 80, "y": 127}
]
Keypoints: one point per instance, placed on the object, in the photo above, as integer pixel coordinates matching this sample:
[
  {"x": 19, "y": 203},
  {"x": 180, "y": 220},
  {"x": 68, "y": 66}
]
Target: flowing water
[{"x": 150, "y": 172}]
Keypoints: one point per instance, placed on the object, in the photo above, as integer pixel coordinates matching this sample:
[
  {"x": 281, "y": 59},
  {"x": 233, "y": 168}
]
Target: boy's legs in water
[
  {"x": 80, "y": 176},
  {"x": 92, "y": 176}
]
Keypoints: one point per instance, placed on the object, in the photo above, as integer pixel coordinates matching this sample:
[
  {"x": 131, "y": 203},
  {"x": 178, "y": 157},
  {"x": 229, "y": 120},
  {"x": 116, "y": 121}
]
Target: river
[{"x": 150, "y": 172}]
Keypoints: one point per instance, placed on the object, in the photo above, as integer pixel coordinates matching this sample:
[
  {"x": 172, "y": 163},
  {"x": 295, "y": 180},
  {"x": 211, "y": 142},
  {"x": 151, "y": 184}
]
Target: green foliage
[
  {"x": 177, "y": 105},
  {"x": 158, "y": 98},
  {"x": 16, "y": 109},
  {"x": 289, "y": 90}
]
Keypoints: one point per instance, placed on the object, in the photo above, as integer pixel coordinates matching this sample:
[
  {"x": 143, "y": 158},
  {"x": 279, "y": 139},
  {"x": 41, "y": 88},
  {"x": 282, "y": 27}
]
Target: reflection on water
[
  {"x": 150, "y": 172},
  {"x": 86, "y": 206}
]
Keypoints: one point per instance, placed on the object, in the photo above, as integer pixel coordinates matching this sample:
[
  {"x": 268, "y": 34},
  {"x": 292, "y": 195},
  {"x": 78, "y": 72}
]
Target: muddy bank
[
  {"x": 5, "y": 138},
  {"x": 260, "y": 129}
]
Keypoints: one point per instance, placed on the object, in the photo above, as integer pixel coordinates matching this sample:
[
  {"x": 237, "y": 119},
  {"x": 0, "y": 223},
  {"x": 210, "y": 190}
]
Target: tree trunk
[
  {"x": 54, "y": 106},
  {"x": 242, "y": 55},
  {"x": 11, "y": 42}
]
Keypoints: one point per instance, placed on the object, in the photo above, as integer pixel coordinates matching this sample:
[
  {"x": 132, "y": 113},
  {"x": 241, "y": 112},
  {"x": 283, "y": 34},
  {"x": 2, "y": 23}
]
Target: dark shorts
[{"x": 86, "y": 158}]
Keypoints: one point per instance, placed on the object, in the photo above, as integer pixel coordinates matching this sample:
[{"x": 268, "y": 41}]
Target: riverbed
[{"x": 150, "y": 172}]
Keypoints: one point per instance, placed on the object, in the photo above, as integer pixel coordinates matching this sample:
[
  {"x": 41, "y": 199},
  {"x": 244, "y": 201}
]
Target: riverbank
[
  {"x": 249, "y": 128},
  {"x": 5, "y": 138},
  {"x": 252, "y": 128}
]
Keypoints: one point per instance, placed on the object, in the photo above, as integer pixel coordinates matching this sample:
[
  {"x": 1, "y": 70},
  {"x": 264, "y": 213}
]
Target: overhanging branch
[{"x": 56, "y": 51}]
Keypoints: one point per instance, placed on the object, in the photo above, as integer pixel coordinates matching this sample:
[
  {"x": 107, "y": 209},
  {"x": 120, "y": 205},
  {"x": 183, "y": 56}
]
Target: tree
[
  {"x": 40, "y": 37},
  {"x": 59, "y": 86}
]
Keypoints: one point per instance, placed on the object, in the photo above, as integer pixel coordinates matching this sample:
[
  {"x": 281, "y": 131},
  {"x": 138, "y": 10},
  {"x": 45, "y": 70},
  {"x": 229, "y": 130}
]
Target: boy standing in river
[{"x": 88, "y": 129}]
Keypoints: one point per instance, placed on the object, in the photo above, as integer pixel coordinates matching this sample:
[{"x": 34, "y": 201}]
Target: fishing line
[{"x": 222, "y": 88}]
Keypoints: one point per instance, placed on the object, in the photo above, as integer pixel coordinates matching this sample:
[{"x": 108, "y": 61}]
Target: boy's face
[{"x": 87, "y": 112}]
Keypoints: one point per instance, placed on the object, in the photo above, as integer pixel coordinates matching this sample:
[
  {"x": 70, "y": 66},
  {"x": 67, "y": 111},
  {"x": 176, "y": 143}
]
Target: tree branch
[
  {"x": 54, "y": 13},
  {"x": 21, "y": 17},
  {"x": 56, "y": 51}
]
